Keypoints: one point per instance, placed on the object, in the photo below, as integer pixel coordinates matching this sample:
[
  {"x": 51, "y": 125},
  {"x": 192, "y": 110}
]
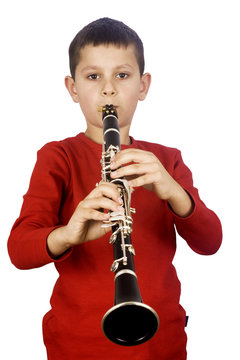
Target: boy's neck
[{"x": 97, "y": 135}]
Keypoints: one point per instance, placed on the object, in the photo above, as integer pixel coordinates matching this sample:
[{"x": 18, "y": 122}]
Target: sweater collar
[{"x": 98, "y": 147}]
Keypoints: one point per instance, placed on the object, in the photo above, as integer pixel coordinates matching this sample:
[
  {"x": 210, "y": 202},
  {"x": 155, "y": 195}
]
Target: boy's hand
[
  {"x": 85, "y": 223},
  {"x": 146, "y": 171},
  {"x": 142, "y": 168}
]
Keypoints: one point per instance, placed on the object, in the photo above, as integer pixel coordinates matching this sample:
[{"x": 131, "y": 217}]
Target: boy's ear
[
  {"x": 144, "y": 87},
  {"x": 70, "y": 85}
]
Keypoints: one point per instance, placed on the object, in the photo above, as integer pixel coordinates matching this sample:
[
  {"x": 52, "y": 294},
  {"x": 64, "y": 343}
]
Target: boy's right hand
[{"x": 85, "y": 223}]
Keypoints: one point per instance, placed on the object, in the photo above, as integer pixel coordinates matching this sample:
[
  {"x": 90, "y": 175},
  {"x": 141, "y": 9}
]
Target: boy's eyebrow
[
  {"x": 124, "y": 66},
  {"x": 90, "y": 67},
  {"x": 95, "y": 67}
]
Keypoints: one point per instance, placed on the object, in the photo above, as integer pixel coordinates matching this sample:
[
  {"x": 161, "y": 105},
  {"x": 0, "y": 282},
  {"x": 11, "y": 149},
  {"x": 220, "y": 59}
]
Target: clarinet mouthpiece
[{"x": 107, "y": 110}]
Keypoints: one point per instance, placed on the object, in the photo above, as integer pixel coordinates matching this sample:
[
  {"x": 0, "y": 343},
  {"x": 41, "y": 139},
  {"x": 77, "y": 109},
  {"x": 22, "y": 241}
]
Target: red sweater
[{"x": 65, "y": 172}]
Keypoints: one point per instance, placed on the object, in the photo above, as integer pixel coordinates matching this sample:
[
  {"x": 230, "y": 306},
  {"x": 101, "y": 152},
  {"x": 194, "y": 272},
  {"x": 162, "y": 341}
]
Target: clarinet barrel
[{"x": 129, "y": 322}]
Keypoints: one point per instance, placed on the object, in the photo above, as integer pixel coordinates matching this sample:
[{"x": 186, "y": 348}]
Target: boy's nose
[{"x": 108, "y": 90}]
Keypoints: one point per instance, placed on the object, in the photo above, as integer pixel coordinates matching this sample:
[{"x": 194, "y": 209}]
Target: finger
[
  {"x": 92, "y": 214},
  {"x": 131, "y": 155},
  {"x": 108, "y": 190},
  {"x": 140, "y": 181},
  {"x": 135, "y": 169},
  {"x": 101, "y": 203}
]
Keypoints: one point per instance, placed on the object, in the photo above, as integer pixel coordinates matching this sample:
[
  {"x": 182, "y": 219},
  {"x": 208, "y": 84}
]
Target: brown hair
[{"x": 105, "y": 31}]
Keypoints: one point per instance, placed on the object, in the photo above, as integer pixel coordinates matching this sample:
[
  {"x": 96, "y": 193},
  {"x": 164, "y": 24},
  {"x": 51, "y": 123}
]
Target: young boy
[{"x": 61, "y": 216}]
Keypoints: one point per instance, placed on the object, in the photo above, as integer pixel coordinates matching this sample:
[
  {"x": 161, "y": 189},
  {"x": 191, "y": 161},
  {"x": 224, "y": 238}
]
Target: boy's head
[
  {"x": 107, "y": 65},
  {"x": 105, "y": 31}
]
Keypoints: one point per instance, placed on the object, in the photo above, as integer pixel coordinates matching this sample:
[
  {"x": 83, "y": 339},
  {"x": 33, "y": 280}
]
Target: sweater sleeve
[
  {"x": 202, "y": 228},
  {"x": 27, "y": 243}
]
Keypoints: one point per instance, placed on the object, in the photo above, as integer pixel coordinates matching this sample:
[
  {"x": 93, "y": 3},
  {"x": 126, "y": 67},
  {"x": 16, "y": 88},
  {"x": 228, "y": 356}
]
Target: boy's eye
[
  {"x": 93, "y": 76},
  {"x": 122, "y": 75}
]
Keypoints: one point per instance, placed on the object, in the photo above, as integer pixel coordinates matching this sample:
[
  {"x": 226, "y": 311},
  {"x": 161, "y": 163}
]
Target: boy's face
[{"x": 107, "y": 74}]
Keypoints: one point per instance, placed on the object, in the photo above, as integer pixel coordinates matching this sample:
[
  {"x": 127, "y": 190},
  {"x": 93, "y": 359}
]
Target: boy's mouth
[{"x": 101, "y": 108}]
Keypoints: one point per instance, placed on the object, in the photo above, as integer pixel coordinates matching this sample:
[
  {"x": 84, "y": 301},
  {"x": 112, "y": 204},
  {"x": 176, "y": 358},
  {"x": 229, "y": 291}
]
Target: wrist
[
  {"x": 58, "y": 242},
  {"x": 181, "y": 202}
]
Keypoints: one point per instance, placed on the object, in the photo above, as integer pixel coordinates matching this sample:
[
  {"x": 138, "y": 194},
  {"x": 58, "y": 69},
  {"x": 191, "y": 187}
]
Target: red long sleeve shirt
[{"x": 65, "y": 172}]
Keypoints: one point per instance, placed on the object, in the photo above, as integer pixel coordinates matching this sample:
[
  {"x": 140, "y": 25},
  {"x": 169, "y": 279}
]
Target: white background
[{"x": 192, "y": 51}]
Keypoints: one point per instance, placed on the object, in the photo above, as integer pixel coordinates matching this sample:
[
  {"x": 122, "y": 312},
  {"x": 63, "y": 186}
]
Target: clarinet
[{"x": 130, "y": 321}]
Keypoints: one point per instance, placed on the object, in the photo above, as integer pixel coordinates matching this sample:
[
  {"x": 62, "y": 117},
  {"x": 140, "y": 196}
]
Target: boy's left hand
[{"x": 142, "y": 168}]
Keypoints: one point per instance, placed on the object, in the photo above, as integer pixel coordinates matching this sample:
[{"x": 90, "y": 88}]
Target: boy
[{"x": 61, "y": 213}]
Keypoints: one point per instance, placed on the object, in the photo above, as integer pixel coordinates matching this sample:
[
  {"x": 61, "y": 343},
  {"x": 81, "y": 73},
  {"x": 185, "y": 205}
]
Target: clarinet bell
[{"x": 130, "y": 323}]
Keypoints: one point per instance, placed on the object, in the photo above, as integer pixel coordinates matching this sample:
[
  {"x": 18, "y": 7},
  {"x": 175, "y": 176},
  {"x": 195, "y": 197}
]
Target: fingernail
[
  {"x": 120, "y": 200},
  {"x": 112, "y": 165},
  {"x": 120, "y": 208}
]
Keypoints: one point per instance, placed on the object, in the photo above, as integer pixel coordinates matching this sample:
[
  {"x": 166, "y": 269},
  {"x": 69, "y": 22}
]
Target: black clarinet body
[{"x": 130, "y": 321}]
